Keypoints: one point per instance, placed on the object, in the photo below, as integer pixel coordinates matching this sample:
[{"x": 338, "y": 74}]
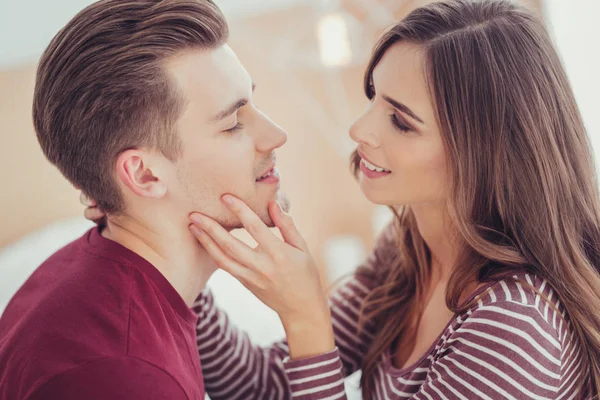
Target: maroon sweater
[{"x": 97, "y": 321}]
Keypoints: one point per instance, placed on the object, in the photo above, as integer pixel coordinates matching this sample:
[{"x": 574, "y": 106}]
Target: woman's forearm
[{"x": 310, "y": 336}]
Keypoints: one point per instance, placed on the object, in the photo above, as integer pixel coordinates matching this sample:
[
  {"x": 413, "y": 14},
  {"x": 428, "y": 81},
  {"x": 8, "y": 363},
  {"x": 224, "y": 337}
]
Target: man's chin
[
  {"x": 263, "y": 214},
  {"x": 269, "y": 223},
  {"x": 285, "y": 203},
  {"x": 232, "y": 226}
]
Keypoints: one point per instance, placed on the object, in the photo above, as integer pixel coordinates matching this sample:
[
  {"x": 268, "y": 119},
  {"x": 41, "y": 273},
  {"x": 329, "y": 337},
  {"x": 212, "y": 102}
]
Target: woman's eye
[{"x": 399, "y": 125}]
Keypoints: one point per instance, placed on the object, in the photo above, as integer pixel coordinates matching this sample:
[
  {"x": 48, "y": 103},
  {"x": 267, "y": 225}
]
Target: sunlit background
[{"x": 307, "y": 58}]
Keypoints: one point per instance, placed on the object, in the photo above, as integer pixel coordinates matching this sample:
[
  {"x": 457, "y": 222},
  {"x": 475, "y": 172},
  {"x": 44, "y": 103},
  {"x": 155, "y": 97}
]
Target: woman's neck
[{"x": 436, "y": 231}]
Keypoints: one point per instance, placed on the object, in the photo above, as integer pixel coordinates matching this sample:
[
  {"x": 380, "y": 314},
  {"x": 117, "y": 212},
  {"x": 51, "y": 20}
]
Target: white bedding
[{"x": 20, "y": 259}]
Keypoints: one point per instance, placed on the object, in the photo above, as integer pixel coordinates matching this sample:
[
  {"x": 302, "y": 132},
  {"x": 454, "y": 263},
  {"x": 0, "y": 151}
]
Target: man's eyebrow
[
  {"x": 402, "y": 108},
  {"x": 229, "y": 110}
]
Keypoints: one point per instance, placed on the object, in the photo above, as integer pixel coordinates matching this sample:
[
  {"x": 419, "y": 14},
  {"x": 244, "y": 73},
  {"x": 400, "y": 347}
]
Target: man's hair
[{"x": 102, "y": 88}]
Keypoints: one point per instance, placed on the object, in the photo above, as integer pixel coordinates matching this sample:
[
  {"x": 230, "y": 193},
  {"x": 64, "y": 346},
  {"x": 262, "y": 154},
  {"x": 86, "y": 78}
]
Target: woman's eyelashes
[
  {"x": 396, "y": 121},
  {"x": 398, "y": 124}
]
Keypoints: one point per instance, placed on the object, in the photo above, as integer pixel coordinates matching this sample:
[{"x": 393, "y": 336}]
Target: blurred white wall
[
  {"x": 26, "y": 27},
  {"x": 574, "y": 25}
]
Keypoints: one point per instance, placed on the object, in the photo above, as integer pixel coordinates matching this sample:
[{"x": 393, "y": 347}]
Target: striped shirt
[{"x": 511, "y": 344}]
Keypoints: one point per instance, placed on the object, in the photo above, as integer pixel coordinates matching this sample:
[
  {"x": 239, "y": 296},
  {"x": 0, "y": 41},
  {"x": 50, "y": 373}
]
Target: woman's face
[{"x": 399, "y": 142}]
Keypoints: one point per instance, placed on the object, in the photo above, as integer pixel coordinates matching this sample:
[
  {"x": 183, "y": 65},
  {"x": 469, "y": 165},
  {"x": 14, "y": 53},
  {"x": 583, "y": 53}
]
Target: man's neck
[{"x": 171, "y": 250}]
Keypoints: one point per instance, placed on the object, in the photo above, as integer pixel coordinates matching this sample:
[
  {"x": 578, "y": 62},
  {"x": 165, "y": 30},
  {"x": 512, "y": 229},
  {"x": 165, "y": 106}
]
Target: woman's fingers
[
  {"x": 287, "y": 227},
  {"x": 229, "y": 244},
  {"x": 86, "y": 201},
  {"x": 243, "y": 274},
  {"x": 253, "y": 224},
  {"x": 93, "y": 214}
]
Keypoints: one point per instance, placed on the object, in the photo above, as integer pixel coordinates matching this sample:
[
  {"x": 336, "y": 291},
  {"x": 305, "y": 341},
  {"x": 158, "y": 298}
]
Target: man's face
[{"x": 227, "y": 143}]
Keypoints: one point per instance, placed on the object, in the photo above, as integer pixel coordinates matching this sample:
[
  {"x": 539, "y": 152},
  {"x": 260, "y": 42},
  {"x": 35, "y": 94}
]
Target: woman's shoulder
[
  {"x": 521, "y": 314},
  {"x": 516, "y": 335},
  {"x": 529, "y": 293}
]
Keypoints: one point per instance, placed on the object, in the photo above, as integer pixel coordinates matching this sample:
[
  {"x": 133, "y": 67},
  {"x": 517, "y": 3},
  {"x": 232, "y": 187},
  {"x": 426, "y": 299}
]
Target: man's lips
[
  {"x": 271, "y": 177},
  {"x": 266, "y": 172}
]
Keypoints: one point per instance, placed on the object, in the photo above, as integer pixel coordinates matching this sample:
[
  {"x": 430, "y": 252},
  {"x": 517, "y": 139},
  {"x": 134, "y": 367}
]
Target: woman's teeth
[{"x": 373, "y": 167}]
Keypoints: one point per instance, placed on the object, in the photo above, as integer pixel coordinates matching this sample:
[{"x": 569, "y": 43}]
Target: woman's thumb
[{"x": 287, "y": 227}]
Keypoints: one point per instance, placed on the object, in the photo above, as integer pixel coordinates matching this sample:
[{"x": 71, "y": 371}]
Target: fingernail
[
  {"x": 228, "y": 200},
  {"x": 198, "y": 219},
  {"x": 195, "y": 230},
  {"x": 279, "y": 208}
]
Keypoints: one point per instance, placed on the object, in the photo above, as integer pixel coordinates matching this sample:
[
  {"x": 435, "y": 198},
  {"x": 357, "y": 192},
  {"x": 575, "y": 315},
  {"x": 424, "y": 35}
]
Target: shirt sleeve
[
  {"x": 502, "y": 350},
  {"x": 234, "y": 368},
  {"x": 347, "y": 300},
  {"x": 123, "y": 378},
  {"x": 318, "y": 377}
]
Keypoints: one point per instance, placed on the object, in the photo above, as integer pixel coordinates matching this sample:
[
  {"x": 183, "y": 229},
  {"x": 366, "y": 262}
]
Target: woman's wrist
[{"x": 309, "y": 335}]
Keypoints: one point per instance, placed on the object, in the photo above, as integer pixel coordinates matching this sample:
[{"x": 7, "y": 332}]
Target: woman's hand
[
  {"x": 92, "y": 212},
  {"x": 281, "y": 273}
]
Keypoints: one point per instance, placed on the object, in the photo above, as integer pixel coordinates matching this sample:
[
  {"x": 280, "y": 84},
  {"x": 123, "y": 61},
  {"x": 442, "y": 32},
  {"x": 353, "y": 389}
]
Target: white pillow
[{"x": 19, "y": 260}]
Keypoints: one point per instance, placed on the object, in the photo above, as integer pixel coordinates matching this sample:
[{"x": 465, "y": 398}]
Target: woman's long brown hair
[{"x": 524, "y": 195}]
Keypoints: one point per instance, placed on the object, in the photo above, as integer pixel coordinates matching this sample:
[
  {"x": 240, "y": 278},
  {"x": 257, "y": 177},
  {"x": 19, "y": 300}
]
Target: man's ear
[{"x": 135, "y": 171}]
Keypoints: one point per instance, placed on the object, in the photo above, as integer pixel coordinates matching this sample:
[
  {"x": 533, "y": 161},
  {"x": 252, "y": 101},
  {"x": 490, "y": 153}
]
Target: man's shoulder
[
  {"x": 112, "y": 377},
  {"x": 69, "y": 311},
  {"x": 72, "y": 290}
]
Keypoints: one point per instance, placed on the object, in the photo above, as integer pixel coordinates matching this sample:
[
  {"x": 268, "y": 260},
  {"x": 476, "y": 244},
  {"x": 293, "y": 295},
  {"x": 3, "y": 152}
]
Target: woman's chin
[{"x": 378, "y": 197}]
